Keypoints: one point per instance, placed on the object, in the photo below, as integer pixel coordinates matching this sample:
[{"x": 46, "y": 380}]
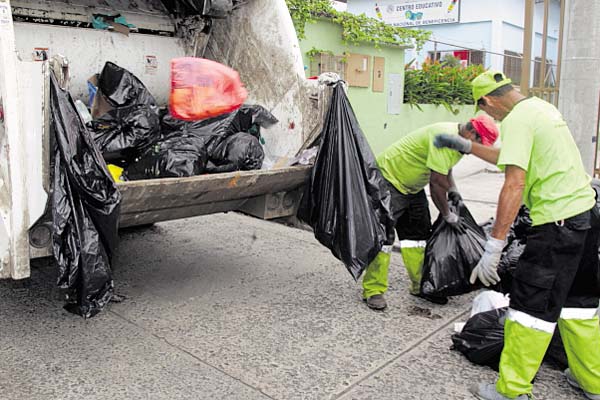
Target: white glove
[
  {"x": 451, "y": 218},
  {"x": 454, "y": 221},
  {"x": 487, "y": 268}
]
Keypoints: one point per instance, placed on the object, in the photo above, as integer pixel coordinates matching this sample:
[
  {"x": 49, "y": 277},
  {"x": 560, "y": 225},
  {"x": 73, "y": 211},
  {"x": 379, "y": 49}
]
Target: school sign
[{"x": 420, "y": 13}]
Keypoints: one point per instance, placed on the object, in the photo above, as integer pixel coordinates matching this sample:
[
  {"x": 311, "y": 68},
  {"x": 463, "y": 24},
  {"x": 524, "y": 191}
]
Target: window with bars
[
  {"x": 326, "y": 62},
  {"x": 513, "y": 65}
]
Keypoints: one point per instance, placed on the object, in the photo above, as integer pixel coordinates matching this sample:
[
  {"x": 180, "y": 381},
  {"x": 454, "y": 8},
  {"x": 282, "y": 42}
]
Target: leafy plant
[
  {"x": 437, "y": 84},
  {"x": 312, "y": 53},
  {"x": 356, "y": 28},
  {"x": 450, "y": 61}
]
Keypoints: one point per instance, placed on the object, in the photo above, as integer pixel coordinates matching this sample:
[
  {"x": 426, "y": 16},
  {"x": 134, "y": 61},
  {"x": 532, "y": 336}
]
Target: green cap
[{"x": 486, "y": 83}]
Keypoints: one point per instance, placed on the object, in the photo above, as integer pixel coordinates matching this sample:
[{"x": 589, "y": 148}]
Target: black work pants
[{"x": 559, "y": 268}]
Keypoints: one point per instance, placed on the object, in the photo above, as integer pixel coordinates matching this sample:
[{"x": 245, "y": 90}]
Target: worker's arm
[
  {"x": 486, "y": 153},
  {"x": 466, "y": 146},
  {"x": 439, "y": 185},
  {"x": 509, "y": 202}
]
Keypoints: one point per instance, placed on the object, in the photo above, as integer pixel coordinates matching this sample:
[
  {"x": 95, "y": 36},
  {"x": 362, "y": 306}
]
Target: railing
[{"x": 550, "y": 94}]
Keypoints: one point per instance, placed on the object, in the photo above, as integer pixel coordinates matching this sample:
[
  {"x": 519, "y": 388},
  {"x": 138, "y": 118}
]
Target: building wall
[
  {"x": 492, "y": 25},
  {"x": 381, "y": 128},
  {"x": 370, "y": 107}
]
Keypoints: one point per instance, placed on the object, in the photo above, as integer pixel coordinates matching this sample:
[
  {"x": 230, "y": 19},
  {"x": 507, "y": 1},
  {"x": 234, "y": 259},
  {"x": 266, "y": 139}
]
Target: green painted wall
[{"x": 381, "y": 128}]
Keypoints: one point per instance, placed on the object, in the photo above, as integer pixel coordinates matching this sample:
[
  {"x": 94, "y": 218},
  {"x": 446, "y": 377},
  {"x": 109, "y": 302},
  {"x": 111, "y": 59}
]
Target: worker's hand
[
  {"x": 454, "y": 142},
  {"x": 454, "y": 221},
  {"x": 455, "y": 197},
  {"x": 487, "y": 269}
]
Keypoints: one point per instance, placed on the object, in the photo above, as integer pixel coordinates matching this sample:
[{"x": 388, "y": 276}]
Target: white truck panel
[{"x": 88, "y": 50}]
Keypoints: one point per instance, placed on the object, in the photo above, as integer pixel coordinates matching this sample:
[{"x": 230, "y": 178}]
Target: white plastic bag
[{"x": 489, "y": 300}]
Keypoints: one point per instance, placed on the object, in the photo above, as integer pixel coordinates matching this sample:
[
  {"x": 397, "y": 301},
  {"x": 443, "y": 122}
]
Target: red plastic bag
[{"x": 203, "y": 89}]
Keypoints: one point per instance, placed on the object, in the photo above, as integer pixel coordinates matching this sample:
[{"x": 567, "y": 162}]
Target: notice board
[
  {"x": 358, "y": 70},
  {"x": 378, "y": 74}
]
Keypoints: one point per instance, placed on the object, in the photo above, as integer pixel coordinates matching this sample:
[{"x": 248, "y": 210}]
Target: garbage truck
[{"x": 254, "y": 37}]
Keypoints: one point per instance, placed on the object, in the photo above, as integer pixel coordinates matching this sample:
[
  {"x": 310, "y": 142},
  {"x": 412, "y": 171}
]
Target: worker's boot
[
  {"x": 376, "y": 302},
  {"x": 375, "y": 280},
  {"x": 580, "y": 332},
  {"x": 526, "y": 340},
  {"x": 487, "y": 391},
  {"x": 413, "y": 255}
]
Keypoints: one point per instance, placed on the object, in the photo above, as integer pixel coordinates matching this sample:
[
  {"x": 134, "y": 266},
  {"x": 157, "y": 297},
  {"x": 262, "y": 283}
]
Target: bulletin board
[
  {"x": 358, "y": 70},
  {"x": 378, "y": 74}
]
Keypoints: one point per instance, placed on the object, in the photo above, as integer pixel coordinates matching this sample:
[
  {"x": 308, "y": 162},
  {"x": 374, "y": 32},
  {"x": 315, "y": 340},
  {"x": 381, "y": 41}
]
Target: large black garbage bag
[
  {"x": 85, "y": 210},
  {"x": 482, "y": 338},
  {"x": 176, "y": 156},
  {"x": 126, "y": 132},
  {"x": 121, "y": 88},
  {"x": 450, "y": 256},
  {"x": 346, "y": 200},
  {"x": 133, "y": 124},
  {"x": 240, "y": 152},
  {"x": 248, "y": 118}
]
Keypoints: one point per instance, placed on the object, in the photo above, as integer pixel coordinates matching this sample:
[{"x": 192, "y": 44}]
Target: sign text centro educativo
[{"x": 421, "y": 12}]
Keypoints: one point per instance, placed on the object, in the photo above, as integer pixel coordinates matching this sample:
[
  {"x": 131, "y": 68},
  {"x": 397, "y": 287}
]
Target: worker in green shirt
[
  {"x": 557, "y": 277},
  {"x": 408, "y": 166}
]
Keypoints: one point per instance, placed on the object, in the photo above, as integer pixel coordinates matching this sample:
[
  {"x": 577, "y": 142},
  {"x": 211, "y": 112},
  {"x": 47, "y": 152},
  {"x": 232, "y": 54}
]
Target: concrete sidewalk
[{"x": 230, "y": 307}]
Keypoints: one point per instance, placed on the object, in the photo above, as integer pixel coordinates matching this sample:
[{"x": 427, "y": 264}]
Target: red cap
[{"x": 487, "y": 129}]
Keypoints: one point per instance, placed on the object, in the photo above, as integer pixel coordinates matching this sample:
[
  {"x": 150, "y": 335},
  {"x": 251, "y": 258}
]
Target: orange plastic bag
[{"x": 203, "y": 89}]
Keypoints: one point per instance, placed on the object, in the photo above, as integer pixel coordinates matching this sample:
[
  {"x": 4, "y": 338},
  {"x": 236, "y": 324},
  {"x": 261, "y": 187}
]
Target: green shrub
[{"x": 439, "y": 84}]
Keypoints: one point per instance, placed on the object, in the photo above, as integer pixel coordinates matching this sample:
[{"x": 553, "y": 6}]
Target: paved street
[{"x": 231, "y": 307}]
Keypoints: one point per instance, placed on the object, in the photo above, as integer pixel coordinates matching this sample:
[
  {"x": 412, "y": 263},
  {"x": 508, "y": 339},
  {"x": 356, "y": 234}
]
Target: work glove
[
  {"x": 454, "y": 221},
  {"x": 454, "y": 142},
  {"x": 487, "y": 268}
]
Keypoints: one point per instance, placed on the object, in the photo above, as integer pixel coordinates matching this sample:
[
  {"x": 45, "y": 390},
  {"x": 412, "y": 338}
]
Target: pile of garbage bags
[
  {"x": 148, "y": 142},
  {"x": 451, "y": 255},
  {"x": 346, "y": 200}
]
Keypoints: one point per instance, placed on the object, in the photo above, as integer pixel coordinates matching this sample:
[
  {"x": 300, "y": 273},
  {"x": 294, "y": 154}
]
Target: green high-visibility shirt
[
  {"x": 535, "y": 138},
  {"x": 407, "y": 164}
]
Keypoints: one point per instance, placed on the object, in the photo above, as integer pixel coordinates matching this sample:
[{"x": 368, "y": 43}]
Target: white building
[{"x": 488, "y": 32}]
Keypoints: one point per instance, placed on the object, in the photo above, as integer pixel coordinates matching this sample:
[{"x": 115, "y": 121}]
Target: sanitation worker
[
  {"x": 557, "y": 277},
  {"x": 408, "y": 166}
]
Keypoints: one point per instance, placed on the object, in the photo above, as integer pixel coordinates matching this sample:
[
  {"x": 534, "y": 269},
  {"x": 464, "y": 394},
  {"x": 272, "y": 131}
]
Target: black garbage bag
[
  {"x": 522, "y": 223},
  {"x": 508, "y": 263},
  {"x": 482, "y": 338},
  {"x": 85, "y": 210},
  {"x": 248, "y": 118},
  {"x": 346, "y": 200},
  {"x": 450, "y": 256},
  {"x": 240, "y": 152},
  {"x": 125, "y": 132},
  {"x": 121, "y": 88},
  {"x": 176, "y": 156},
  {"x": 487, "y": 227},
  {"x": 482, "y": 341}
]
